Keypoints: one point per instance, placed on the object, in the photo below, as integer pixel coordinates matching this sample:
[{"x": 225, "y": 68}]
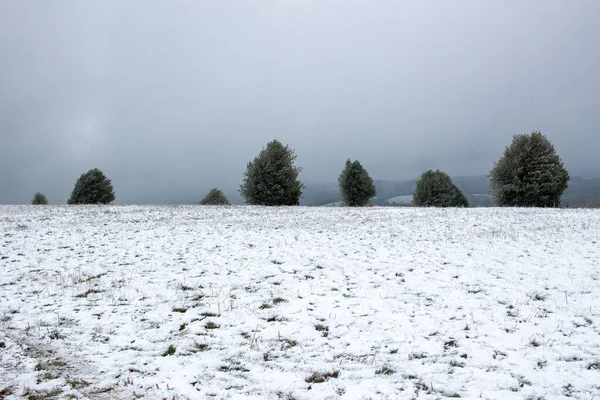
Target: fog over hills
[
  {"x": 581, "y": 191},
  {"x": 172, "y": 98}
]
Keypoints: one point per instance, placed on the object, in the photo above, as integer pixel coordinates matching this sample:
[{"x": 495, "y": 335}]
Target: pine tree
[
  {"x": 271, "y": 179},
  {"x": 529, "y": 174},
  {"x": 93, "y": 187},
  {"x": 39, "y": 199},
  {"x": 436, "y": 189},
  {"x": 215, "y": 198},
  {"x": 356, "y": 186}
]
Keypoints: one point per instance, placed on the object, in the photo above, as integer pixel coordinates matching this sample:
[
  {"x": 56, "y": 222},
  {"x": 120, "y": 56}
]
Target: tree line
[{"x": 529, "y": 174}]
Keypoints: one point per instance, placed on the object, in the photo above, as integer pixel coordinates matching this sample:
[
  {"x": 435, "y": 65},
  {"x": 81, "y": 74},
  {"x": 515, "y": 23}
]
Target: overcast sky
[{"x": 170, "y": 98}]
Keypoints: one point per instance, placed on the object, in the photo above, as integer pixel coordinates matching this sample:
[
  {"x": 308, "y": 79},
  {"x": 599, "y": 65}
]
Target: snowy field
[{"x": 298, "y": 303}]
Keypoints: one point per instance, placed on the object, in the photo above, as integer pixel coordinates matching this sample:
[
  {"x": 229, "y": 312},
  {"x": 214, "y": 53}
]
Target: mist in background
[{"x": 171, "y": 98}]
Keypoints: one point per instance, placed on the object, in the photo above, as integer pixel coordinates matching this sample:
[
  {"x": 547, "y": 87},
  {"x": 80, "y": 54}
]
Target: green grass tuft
[
  {"x": 170, "y": 351},
  {"x": 211, "y": 325},
  {"x": 321, "y": 377}
]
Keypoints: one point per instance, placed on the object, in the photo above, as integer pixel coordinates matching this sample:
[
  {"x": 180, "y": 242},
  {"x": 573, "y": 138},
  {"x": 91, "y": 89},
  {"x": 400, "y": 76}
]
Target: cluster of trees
[{"x": 529, "y": 174}]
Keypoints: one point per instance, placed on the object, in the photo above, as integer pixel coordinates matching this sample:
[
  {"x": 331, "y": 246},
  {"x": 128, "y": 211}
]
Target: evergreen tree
[
  {"x": 356, "y": 186},
  {"x": 529, "y": 174},
  {"x": 39, "y": 199},
  {"x": 436, "y": 189},
  {"x": 271, "y": 179},
  {"x": 215, "y": 198},
  {"x": 93, "y": 187}
]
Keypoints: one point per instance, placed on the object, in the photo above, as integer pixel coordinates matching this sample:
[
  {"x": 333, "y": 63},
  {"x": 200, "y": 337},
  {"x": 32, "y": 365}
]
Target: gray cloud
[{"x": 171, "y": 98}]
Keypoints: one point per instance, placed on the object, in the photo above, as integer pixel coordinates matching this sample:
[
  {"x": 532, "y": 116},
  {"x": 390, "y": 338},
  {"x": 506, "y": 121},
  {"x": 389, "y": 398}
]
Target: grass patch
[
  {"x": 7, "y": 391},
  {"x": 385, "y": 370},
  {"x": 88, "y": 292},
  {"x": 201, "y": 346},
  {"x": 55, "y": 335},
  {"x": 568, "y": 390},
  {"x": 594, "y": 365},
  {"x": 210, "y": 314},
  {"x": 474, "y": 290},
  {"x": 46, "y": 376},
  {"x": 42, "y": 394},
  {"x": 422, "y": 386},
  {"x": 77, "y": 383},
  {"x": 285, "y": 396},
  {"x": 246, "y": 335},
  {"x": 49, "y": 365},
  {"x": 170, "y": 351},
  {"x": 233, "y": 368},
  {"x": 180, "y": 309},
  {"x": 288, "y": 344},
  {"x": 324, "y": 329},
  {"x": 211, "y": 325},
  {"x": 321, "y": 377},
  {"x": 538, "y": 296},
  {"x": 278, "y": 300},
  {"x": 265, "y": 306},
  {"x": 523, "y": 382},
  {"x": 90, "y": 278}
]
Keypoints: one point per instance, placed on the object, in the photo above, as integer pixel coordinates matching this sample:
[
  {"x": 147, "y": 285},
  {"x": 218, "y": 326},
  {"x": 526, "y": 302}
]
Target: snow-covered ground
[{"x": 298, "y": 303}]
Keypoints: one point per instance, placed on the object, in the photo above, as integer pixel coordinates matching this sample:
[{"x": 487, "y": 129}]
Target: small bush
[
  {"x": 39, "y": 199},
  {"x": 529, "y": 174},
  {"x": 436, "y": 189},
  {"x": 271, "y": 179},
  {"x": 215, "y": 198},
  {"x": 356, "y": 186},
  {"x": 93, "y": 187}
]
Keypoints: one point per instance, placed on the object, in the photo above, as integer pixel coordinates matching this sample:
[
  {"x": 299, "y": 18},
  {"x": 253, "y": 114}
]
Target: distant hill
[{"x": 582, "y": 192}]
